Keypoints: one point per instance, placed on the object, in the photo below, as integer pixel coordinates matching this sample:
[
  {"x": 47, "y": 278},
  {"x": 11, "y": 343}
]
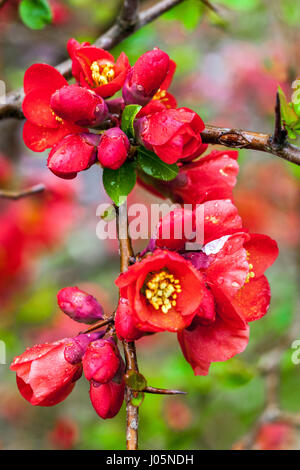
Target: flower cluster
[
  {"x": 207, "y": 295},
  {"x": 71, "y": 119},
  {"x": 46, "y": 373}
]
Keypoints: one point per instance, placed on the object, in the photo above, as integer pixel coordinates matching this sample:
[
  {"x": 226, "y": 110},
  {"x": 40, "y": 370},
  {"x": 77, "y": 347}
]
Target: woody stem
[{"x": 126, "y": 252}]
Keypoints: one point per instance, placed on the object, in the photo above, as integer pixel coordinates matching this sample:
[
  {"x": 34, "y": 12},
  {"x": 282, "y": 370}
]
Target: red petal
[
  {"x": 229, "y": 267},
  {"x": 206, "y": 344},
  {"x": 43, "y": 76},
  {"x": 220, "y": 218},
  {"x": 36, "y": 108},
  {"x": 174, "y": 229},
  {"x": 253, "y": 299},
  {"x": 263, "y": 252},
  {"x": 167, "y": 81},
  {"x": 39, "y": 138}
]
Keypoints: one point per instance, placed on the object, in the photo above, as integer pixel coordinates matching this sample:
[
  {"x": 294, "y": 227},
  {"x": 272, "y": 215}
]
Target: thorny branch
[
  {"x": 236, "y": 138},
  {"x": 126, "y": 252}
]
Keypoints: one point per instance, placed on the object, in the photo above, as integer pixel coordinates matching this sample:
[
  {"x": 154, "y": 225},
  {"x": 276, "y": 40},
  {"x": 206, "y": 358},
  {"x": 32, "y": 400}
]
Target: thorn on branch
[
  {"x": 6, "y": 194},
  {"x": 163, "y": 391},
  {"x": 280, "y": 132}
]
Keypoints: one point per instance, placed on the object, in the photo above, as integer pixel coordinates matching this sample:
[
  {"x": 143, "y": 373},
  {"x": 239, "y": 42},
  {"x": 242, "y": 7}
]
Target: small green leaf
[
  {"x": 119, "y": 183},
  {"x": 128, "y": 117},
  {"x": 35, "y": 13},
  {"x": 289, "y": 117},
  {"x": 152, "y": 165}
]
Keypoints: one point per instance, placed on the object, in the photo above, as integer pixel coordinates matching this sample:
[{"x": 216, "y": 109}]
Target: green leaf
[
  {"x": 287, "y": 112},
  {"x": 128, "y": 117},
  {"x": 119, "y": 183},
  {"x": 35, "y": 13},
  {"x": 152, "y": 165}
]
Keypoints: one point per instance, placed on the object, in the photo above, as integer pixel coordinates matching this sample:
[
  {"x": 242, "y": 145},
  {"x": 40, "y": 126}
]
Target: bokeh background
[{"x": 228, "y": 68}]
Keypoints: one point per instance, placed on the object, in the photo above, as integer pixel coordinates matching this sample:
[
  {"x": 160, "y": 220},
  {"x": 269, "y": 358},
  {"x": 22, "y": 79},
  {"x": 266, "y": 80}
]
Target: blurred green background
[{"x": 228, "y": 68}]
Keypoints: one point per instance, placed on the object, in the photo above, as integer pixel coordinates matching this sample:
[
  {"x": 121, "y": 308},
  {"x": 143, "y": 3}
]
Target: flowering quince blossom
[
  {"x": 233, "y": 263},
  {"x": 172, "y": 134},
  {"x": 163, "y": 290},
  {"x": 46, "y": 373},
  {"x": 96, "y": 69},
  {"x": 211, "y": 177},
  {"x": 205, "y": 293}
]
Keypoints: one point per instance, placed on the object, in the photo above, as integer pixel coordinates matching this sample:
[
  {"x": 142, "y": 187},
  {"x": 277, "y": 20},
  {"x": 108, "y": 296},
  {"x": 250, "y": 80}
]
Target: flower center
[
  {"x": 102, "y": 74},
  {"x": 161, "y": 290},
  {"x": 160, "y": 95},
  {"x": 57, "y": 118},
  {"x": 251, "y": 273}
]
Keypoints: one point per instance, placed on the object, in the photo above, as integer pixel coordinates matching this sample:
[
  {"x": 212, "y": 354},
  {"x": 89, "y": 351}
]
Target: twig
[
  {"x": 97, "y": 325},
  {"x": 119, "y": 31},
  {"x": 126, "y": 253},
  {"x": 163, "y": 391},
  {"x": 129, "y": 13},
  {"x": 237, "y": 138},
  {"x": 5, "y": 194}
]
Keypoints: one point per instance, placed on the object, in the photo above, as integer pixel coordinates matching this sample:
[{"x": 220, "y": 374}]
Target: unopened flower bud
[
  {"x": 145, "y": 77},
  {"x": 101, "y": 360},
  {"x": 79, "y": 105},
  {"x": 79, "y": 305},
  {"x": 125, "y": 322},
  {"x": 113, "y": 148},
  {"x": 75, "y": 350}
]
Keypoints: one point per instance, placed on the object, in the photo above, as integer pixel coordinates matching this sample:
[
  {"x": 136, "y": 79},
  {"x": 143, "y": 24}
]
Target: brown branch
[
  {"x": 163, "y": 391},
  {"x": 119, "y": 31},
  {"x": 236, "y": 138},
  {"x": 126, "y": 253},
  {"x": 129, "y": 13},
  {"x": 6, "y": 194},
  {"x": 97, "y": 325}
]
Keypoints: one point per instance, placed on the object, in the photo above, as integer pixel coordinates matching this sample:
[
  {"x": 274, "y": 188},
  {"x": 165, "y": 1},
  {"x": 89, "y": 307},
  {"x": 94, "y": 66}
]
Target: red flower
[
  {"x": 74, "y": 153},
  {"x": 113, "y": 148},
  {"x": 146, "y": 77},
  {"x": 163, "y": 290},
  {"x": 44, "y": 377},
  {"x": 101, "y": 361},
  {"x": 172, "y": 134},
  {"x": 237, "y": 292},
  {"x": 162, "y": 99},
  {"x": 79, "y": 105},
  {"x": 96, "y": 68},
  {"x": 211, "y": 177},
  {"x": 43, "y": 128}
]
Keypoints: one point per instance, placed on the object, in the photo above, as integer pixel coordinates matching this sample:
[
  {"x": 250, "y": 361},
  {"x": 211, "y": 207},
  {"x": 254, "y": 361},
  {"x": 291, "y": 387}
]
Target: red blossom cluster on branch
[{"x": 207, "y": 295}]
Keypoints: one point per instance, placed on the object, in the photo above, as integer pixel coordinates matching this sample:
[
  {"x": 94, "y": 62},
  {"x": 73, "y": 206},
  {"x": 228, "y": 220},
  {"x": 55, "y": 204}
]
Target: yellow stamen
[
  {"x": 161, "y": 290},
  {"x": 102, "y": 74}
]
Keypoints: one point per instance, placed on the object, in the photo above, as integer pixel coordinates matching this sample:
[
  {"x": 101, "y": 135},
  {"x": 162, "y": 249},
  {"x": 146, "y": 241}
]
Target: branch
[
  {"x": 97, "y": 325},
  {"x": 236, "y": 138},
  {"x": 163, "y": 391},
  {"x": 129, "y": 13},
  {"x": 5, "y": 194},
  {"x": 119, "y": 31},
  {"x": 126, "y": 253}
]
